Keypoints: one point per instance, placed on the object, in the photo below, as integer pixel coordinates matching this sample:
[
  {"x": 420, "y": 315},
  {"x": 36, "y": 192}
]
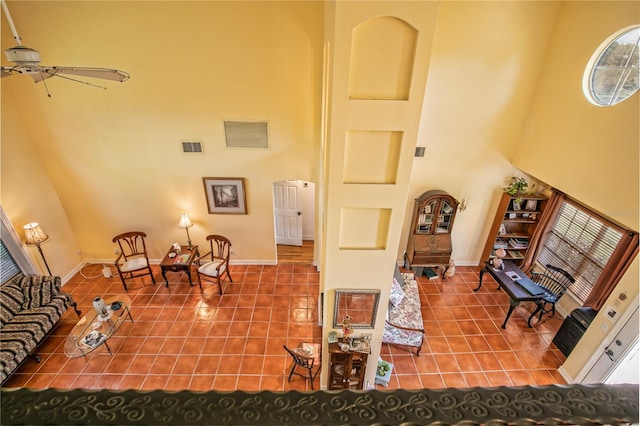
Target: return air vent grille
[
  {"x": 192, "y": 146},
  {"x": 246, "y": 134}
]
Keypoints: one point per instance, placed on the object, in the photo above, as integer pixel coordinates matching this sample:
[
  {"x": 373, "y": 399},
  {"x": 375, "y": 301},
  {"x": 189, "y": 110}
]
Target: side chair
[
  {"x": 307, "y": 357},
  {"x": 133, "y": 261},
  {"x": 217, "y": 261},
  {"x": 555, "y": 281}
]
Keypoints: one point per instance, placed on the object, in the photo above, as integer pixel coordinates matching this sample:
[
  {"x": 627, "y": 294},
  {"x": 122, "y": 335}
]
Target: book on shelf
[
  {"x": 500, "y": 244},
  {"x": 430, "y": 273},
  {"x": 515, "y": 254},
  {"x": 519, "y": 243}
]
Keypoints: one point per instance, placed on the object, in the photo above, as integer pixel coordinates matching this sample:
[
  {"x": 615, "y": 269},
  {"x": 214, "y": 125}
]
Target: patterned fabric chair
[
  {"x": 30, "y": 308},
  {"x": 404, "y": 325}
]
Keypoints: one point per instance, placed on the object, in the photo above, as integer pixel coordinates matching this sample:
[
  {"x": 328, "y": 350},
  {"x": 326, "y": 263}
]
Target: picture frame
[
  {"x": 360, "y": 304},
  {"x": 225, "y": 195},
  {"x": 516, "y": 205},
  {"x": 532, "y": 205}
]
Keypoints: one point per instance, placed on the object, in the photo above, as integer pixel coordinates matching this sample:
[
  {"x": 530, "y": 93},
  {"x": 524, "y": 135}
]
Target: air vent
[
  {"x": 247, "y": 134},
  {"x": 419, "y": 151},
  {"x": 192, "y": 146}
]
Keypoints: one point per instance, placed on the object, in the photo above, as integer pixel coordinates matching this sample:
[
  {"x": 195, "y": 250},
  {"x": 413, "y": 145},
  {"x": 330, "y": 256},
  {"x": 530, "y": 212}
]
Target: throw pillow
[
  {"x": 397, "y": 294},
  {"x": 37, "y": 291}
]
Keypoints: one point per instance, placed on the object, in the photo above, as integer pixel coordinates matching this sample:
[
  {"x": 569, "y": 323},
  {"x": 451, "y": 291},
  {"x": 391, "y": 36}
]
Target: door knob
[{"x": 609, "y": 353}]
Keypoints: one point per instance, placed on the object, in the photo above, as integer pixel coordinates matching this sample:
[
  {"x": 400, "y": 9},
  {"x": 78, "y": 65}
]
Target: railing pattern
[{"x": 529, "y": 405}]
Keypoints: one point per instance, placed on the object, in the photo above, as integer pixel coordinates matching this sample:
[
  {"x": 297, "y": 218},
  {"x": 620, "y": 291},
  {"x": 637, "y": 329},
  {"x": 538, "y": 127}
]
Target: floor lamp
[{"x": 34, "y": 236}]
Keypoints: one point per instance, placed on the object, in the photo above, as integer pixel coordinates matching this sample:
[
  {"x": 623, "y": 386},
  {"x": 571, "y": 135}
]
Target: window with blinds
[
  {"x": 8, "y": 266},
  {"x": 580, "y": 243}
]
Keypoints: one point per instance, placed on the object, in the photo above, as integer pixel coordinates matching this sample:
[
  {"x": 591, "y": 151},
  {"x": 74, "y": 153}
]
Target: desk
[
  {"x": 516, "y": 292},
  {"x": 180, "y": 262}
]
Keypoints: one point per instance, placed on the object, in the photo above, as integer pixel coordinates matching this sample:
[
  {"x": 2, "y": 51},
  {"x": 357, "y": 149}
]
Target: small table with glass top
[{"x": 92, "y": 331}]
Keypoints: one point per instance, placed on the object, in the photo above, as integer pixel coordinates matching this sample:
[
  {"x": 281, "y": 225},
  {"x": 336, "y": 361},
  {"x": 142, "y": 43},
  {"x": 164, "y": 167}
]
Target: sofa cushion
[
  {"x": 38, "y": 290},
  {"x": 397, "y": 294},
  {"x": 11, "y": 301}
]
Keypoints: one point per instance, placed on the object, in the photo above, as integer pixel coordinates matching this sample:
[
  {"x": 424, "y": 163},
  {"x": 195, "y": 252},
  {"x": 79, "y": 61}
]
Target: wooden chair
[
  {"x": 217, "y": 265},
  {"x": 306, "y": 356},
  {"x": 555, "y": 281},
  {"x": 133, "y": 261}
]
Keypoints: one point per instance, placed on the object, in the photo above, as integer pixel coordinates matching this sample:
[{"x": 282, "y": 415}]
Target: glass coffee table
[{"x": 92, "y": 331}]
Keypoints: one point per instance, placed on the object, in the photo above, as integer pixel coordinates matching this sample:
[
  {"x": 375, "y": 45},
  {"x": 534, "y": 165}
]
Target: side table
[
  {"x": 386, "y": 377},
  {"x": 179, "y": 262}
]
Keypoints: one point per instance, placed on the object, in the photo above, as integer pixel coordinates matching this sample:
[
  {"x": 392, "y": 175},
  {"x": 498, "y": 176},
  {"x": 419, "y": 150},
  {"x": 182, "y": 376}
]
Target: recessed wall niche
[
  {"x": 364, "y": 228},
  {"x": 382, "y": 57},
  {"x": 372, "y": 157}
]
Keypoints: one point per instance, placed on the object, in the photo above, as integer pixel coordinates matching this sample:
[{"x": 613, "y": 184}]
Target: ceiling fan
[{"x": 27, "y": 61}]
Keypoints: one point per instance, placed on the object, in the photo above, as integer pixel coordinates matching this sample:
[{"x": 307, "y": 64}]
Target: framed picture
[
  {"x": 531, "y": 205},
  {"x": 225, "y": 195},
  {"x": 516, "y": 205}
]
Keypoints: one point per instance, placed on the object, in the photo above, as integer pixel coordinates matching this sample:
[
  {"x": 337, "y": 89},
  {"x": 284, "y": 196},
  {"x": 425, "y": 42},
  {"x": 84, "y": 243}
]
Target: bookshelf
[{"x": 513, "y": 226}]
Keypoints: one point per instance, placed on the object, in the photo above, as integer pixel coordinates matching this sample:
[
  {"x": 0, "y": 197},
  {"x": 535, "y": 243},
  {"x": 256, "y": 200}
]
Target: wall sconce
[
  {"x": 34, "y": 236},
  {"x": 186, "y": 224},
  {"x": 462, "y": 205}
]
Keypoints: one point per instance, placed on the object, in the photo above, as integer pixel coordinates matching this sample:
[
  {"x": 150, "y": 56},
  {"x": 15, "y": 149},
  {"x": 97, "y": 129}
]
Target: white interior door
[
  {"x": 617, "y": 357},
  {"x": 287, "y": 201}
]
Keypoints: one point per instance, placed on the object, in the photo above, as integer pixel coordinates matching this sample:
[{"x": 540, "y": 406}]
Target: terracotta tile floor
[{"x": 182, "y": 338}]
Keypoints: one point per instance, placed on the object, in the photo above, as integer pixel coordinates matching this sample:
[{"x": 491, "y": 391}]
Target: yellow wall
[
  {"x": 371, "y": 135},
  {"x": 28, "y": 195},
  {"x": 586, "y": 151},
  {"x": 478, "y": 91},
  {"x": 114, "y": 157}
]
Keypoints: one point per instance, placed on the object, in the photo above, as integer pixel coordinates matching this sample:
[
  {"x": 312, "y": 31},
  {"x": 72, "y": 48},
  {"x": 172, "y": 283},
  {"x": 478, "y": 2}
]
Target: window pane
[
  {"x": 615, "y": 75},
  {"x": 580, "y": 243},
  {"x": 8, "y": 266}
]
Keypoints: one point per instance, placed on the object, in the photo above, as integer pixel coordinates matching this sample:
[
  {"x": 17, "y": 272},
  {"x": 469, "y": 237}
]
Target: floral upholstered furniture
[
  {"x": 404, "y": 325},
  {"x": 30, "y": 307}
]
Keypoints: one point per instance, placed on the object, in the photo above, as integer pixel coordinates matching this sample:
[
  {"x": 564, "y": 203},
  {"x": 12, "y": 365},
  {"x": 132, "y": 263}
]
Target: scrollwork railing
[{"x": 570, "y": 404}]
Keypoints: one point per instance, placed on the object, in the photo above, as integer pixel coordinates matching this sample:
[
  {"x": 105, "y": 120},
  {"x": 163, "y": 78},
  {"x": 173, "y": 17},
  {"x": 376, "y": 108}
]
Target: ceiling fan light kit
[
  {"x": 23, "y": 55},
  {"x": 27, "y": 62}
]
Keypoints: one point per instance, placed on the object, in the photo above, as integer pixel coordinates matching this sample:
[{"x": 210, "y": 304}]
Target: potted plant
[{"x": 517, "y": 188}]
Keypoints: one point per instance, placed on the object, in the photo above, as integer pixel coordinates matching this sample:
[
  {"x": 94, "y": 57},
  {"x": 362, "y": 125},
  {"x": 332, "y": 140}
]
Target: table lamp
[
  {"x": 186, "y": 224},
  {"x": 34, "y": 236}
]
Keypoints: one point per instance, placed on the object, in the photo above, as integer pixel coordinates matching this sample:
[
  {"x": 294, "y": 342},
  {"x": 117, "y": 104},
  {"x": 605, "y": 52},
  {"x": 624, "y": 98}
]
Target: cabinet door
[
  {"x": 446, "y": 212},
  {"x": 426, "y": 214},
  {"x": 358, "y": 366},
  {"x": 338, "y": 376}
]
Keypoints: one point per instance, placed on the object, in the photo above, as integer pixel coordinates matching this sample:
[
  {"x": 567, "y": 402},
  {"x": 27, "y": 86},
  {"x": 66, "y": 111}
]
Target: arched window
[{"x": 612, "y": 74}]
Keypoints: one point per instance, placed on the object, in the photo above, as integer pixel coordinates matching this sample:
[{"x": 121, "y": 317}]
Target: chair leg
[
  {"x": 311, "y": 377},
  {"x": 124, "y": 284},
  {"x": 539, "y": 308},
  {"x": 291, "y": 373}
]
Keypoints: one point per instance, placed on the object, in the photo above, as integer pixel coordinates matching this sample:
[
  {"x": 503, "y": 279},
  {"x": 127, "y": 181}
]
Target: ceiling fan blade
[
  {"x": 7, "y": 71},
  {"x": 103, "y": 73}
]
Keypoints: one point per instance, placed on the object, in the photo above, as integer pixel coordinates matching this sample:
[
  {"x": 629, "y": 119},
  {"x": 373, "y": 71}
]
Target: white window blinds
[
  {"x": 580, "y": 243},
  {"x": 8, "y": 266}
]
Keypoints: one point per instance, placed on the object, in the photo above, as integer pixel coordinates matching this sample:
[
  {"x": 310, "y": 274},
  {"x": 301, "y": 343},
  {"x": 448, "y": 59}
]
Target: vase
[{"x": 100, "y": 307}]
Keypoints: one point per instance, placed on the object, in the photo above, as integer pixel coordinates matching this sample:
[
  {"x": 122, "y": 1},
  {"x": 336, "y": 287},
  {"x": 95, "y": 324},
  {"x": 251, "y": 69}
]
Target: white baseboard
[{"x": 565, "y": 375}]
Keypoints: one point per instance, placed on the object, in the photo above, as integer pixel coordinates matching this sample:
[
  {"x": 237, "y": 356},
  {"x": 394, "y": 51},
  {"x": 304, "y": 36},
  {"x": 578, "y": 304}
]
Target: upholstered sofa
[
  {"x": 404, "y": 325},
  {"x": 30, "y": 308}
]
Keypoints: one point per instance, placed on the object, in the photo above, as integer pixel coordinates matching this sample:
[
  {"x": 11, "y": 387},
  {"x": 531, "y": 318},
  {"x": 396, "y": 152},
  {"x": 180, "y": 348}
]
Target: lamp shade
[
  {"x": 184, "y": 221},
  {"x": 34, "y": 235}
]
